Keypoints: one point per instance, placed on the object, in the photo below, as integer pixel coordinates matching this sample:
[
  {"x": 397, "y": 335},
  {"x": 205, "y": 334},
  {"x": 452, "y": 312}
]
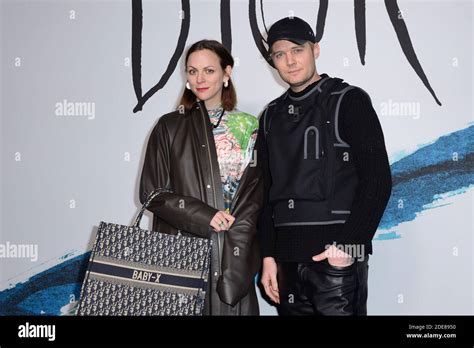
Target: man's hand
[
  {"x": 335, "y": 256},
  {"x": 269, "y": 279}
]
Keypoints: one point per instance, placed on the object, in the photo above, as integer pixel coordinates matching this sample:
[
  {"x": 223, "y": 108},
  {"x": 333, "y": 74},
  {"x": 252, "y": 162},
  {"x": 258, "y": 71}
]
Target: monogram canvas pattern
[{"x": 138, "y": 272}]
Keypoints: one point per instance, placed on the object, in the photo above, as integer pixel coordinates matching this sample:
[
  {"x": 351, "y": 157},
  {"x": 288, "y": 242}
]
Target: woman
[{"x": 203, "y": 153}]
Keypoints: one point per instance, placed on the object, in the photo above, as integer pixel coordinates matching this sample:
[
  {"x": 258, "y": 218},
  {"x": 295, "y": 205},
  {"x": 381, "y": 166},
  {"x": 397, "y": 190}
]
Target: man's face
[{"x": 295, "y": 63}]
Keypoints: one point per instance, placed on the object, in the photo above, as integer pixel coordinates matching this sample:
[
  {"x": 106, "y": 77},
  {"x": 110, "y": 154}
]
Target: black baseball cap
[{"x": 293, "y": 29}]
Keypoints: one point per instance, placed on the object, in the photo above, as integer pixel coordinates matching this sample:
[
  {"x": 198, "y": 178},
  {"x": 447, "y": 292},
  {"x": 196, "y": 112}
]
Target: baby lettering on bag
[{"x": 146, "y": 276}]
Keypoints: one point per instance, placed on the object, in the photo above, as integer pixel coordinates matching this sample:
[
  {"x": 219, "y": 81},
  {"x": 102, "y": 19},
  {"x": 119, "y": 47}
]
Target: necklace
[{"x": 219, "y": 119}]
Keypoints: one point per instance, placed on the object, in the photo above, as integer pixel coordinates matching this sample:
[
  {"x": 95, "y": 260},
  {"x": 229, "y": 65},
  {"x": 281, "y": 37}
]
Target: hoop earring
[{"x": 188, "y": 86}]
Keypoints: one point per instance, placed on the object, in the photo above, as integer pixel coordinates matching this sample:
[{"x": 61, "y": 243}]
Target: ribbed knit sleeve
[{"x": 361, "y": 129}]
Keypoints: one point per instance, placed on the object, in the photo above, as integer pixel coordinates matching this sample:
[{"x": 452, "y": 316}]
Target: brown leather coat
[{"x": 181, "y": 155}]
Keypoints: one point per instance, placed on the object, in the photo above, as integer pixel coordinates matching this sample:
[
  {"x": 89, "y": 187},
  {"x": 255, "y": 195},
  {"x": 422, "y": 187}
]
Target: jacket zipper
[{"x": 212, "y": 181}]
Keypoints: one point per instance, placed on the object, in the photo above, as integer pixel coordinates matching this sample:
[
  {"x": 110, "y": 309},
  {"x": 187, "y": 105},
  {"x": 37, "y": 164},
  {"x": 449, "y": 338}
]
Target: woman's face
[{"x": 206, "y": 77}]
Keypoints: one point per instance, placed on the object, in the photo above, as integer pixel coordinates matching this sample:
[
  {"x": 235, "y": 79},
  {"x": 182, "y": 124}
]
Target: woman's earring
[
  {"x": 188, "y": 86},
  {"x": 226, "y": 83}
]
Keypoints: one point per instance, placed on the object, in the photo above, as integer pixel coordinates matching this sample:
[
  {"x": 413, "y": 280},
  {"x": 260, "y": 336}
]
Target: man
[{"x": 327, "y": 183}]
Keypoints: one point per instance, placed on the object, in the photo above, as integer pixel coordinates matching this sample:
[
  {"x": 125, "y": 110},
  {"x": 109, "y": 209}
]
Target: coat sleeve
[
  {"x": 182, "y": 212},
  {"x": 241, "y": 257},
  {"x": 267, "y": 233}
]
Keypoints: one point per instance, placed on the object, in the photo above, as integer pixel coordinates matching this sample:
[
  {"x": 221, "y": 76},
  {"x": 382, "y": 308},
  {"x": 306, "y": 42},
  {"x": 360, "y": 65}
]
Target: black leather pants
[{"x": 317, "y": 288}]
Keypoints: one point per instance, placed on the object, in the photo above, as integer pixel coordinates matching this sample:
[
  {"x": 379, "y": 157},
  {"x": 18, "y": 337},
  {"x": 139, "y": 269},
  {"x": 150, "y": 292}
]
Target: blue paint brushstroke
[
  {"x": 53, "y": 287},
  {"x": 421, "y": 177},
  {"x": 439, "y": 151},
  {"x": 418, "y": 179}
]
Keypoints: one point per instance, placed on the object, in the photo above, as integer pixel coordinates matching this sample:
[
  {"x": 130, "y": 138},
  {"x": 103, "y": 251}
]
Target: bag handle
[{"x": 148, "y": 200}]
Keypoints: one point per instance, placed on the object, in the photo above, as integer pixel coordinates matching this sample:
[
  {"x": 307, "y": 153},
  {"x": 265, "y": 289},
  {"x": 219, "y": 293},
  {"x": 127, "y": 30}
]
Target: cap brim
[{"x": 296, "y": 41}]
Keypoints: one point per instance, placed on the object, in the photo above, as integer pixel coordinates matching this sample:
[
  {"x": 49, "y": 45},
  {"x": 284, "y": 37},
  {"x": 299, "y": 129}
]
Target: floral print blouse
[{"x": 235, "y": 138}]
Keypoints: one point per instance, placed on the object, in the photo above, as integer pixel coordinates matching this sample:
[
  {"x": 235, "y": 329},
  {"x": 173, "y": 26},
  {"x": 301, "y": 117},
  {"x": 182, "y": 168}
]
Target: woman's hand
[{"x": 222, "y": 221}]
